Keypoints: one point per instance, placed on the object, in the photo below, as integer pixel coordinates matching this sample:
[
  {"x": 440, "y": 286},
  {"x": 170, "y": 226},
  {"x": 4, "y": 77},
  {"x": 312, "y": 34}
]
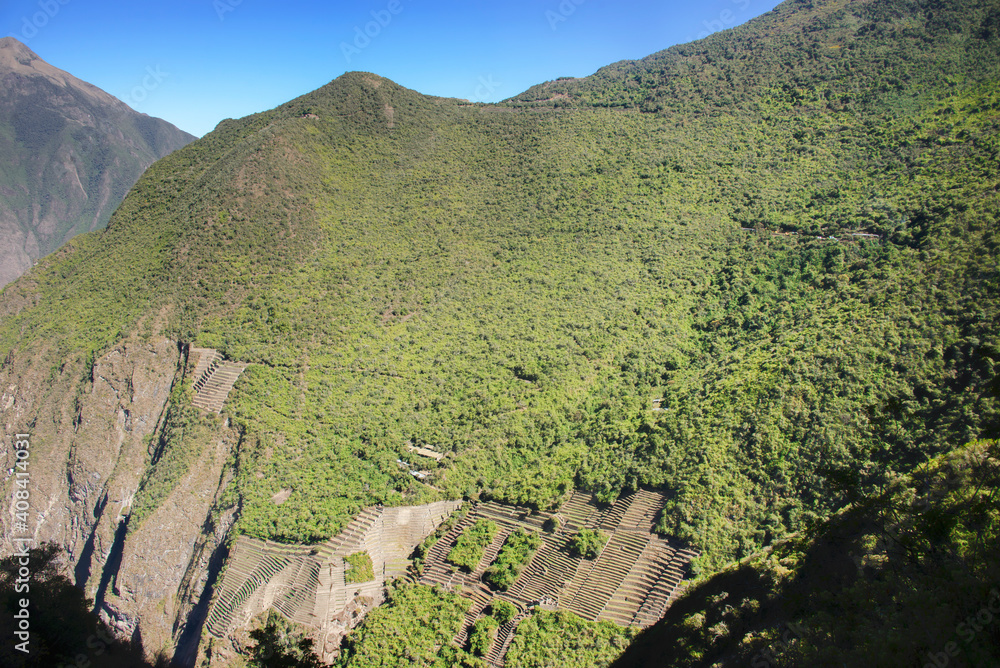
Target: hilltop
[
  {"x": 756, "y": 274},
  {"x": 71, "y": 152}
]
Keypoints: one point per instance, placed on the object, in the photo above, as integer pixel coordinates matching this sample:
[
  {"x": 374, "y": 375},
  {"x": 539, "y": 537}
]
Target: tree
[
  {"x": 280, "y": 646},
  {"x": 588, "y": 543},
  {"x": 502, "y": 611}
]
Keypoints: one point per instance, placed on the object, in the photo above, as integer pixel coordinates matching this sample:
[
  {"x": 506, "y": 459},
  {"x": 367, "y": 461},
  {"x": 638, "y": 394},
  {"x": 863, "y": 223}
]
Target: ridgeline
[{"x": 757, "y": 273}]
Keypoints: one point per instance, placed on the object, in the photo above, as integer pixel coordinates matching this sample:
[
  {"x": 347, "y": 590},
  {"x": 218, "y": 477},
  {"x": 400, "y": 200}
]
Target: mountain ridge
[
  {"x": 823, "y": 33},
  {"x": 73, "y": 152},
  {"x": 17, "y": 58},
  {"x": 761, "y": 315}
]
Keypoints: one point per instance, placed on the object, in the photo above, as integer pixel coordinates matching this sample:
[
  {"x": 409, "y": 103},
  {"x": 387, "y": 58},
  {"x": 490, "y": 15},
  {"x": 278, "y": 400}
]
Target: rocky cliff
[{"x": 100, "y": 423}]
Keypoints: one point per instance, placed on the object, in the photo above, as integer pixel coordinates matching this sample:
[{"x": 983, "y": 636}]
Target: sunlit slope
[
  {"x": 905, "y": 577},
  {"x": 515, "y": 285}
]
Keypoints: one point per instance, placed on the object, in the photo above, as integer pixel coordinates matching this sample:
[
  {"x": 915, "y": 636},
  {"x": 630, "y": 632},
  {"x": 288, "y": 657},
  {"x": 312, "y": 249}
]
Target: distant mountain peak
[
  {"x": 12, "y": 49},
  {"x": 76, "y": 150},
  {"x": 16, "y": 58}
]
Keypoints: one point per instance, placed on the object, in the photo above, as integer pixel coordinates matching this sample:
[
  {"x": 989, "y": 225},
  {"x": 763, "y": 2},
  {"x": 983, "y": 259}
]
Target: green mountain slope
[
  {"x": 514, "y": 286},
  {"x": 907, "y": 577},
  {"x": 71, "y": 152},
  {"x": 792, "y": 250}
]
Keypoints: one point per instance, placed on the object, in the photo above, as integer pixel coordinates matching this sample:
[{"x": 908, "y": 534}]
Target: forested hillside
[
  {"x": 757, "y": 272},
  {"x": 515, "y": 287},
  {"x": 905, "y": 577}
]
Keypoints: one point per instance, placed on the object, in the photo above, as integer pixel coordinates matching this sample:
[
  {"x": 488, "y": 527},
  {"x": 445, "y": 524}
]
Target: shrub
[
  {"x": 503, "y": 611},
  {"x": 563, "y": 639},
  {"x": 482, "y": 635},
  {"x": 281, "y": 644},
  {"x": 416, "y": 623},
  {"x": 471, "y": 544},
  {"x": 516, "y": 552},
  {"x": 588, "y": 543},
  {"x": 359, "y": 568}
]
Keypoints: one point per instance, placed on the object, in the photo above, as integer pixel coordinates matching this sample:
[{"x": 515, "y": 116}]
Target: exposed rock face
[
  {"x": 165, "y": 562},
  {"x": 97, "y": 425},
  {"x": 117, "y": 416},
  {"x": 71, "y": 153}
]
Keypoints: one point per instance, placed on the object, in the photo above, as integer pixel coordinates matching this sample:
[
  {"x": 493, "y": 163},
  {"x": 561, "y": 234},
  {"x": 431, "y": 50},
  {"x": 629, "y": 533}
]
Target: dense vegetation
[
  {"x": 562, "y": 639},
  {"x": 469, "y": 547},
  {"x": 414, "y": 628},
  {"x": 785, "y": 235},
  {"x": 482, "y": 634},
  {"x": 502, "y": 611},
  {"x": 906, "y": 577},
  {"x": 588, "y": 543},
  {"x": 359, "y": 568},
  {"x": 600, "y": 250},
  {"x": 514, "y": 555},
  {"x": 278, "y": 644},
  {"x": 513, "y": 285}
]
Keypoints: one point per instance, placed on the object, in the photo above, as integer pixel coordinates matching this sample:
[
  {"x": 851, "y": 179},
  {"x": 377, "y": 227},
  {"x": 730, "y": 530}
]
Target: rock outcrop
[{"x": 99, "y": 423}]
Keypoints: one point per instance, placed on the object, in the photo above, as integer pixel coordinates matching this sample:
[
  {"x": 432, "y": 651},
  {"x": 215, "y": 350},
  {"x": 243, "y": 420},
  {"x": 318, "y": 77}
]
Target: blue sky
[{"x": 196, "y": 62}]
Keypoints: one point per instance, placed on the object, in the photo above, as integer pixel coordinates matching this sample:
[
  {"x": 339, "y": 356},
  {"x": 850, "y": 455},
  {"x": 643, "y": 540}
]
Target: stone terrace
[
  {"x": 630, "y": 583},
  {"x": 306, "y": 583},
  {"x": 213, "y": 378}
]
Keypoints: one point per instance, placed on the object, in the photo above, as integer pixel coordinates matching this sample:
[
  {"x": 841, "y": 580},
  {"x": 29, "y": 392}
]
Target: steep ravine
[{"x": 96, "y": 437}]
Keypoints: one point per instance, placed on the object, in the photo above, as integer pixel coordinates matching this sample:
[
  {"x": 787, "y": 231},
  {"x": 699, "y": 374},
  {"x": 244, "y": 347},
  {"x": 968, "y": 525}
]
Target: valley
[{"x": 641, "y": 367}]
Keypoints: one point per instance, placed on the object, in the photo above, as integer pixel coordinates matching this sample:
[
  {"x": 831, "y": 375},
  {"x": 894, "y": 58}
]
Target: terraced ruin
[
  {"x": 214, "y": 378},
  {"x": 631, "y": 582},
  {"x": 306, "y": 583}
]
